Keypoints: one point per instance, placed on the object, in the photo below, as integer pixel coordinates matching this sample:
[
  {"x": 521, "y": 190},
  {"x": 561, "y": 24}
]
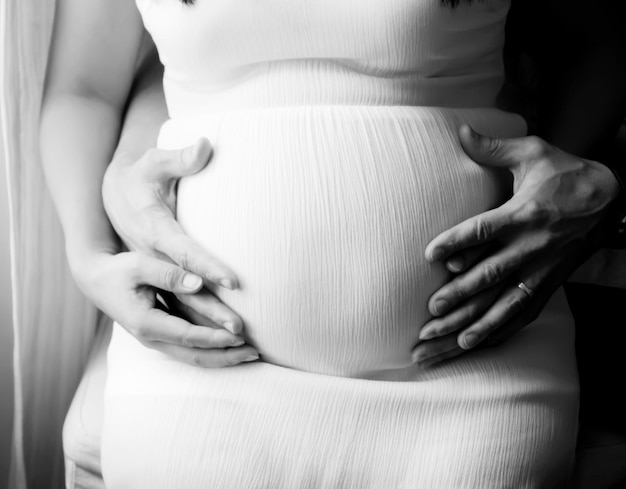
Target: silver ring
[{"x": 527, "y": 290}]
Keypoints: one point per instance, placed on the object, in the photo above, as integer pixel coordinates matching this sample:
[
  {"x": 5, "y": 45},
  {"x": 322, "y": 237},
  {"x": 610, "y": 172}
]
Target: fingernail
[
  {"x": 251, "y": 358},
  {"x": 237, "y": 342},
  {"x": 199, "y": 146},
  {"x": 455, "y": 264},
  {"x": 435, "y": 254},
  {"x": 426, "y": 333},
  {"x": 427, "y": 364},
  {"x": 440, "y": 306},
  {"x": 228, "y": 283},
  {"x": 230, "y": 326},
  {"x": 191, "y": 282},
  {"x": 419, "y": 356},
  {"x": 470, "y": 341},
  {"x": 474, "y": 134}
]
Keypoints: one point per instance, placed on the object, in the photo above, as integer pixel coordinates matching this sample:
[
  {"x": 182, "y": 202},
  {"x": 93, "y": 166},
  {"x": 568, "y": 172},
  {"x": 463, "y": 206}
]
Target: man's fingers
[
  {"x": 465, "y": 259},
  {"x": 188, "y": 254},
  {"x": 501, "y": 152},
  {"x": 209, "y": 306},
  {"x": 434, "y": 351},
  {"x": 494, "y": 269},
  {"x": 166, "y": 276},
  {"x": 511, "y": 305},
  {"x": 158, "y": 325},
  {"x": 461, "y": 316},
  {"x": 474, "y": 231},
  {"x": 217, "y": 358},
  {"x": 173, "y": 164}
]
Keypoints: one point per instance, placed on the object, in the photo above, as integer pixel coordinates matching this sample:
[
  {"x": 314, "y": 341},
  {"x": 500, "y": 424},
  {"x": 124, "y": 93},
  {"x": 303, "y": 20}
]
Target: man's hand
[{"x": 509, "y": 261}]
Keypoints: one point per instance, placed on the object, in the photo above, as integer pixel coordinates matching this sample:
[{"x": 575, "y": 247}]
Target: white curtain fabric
[{"x": 53, "y": 323}]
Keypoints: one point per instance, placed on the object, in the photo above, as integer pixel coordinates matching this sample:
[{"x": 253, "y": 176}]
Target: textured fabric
[
  {"x": 339, "y": 203},
  {"x": 82, "y": 428},
  {"x": 53, "y": 324},
  {"x": 336, "y": 159}
]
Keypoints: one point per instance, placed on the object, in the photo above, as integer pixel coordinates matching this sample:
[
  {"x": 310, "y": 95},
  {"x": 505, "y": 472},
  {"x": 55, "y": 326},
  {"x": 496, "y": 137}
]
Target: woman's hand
[
  {"x": 140, "y": 200},
  {"x": 125, "y": 285},
  {"x": 509, "y": 261}
]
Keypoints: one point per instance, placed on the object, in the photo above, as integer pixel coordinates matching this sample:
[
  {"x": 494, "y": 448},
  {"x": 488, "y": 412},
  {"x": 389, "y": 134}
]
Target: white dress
[{"x": 336, "y": 160}]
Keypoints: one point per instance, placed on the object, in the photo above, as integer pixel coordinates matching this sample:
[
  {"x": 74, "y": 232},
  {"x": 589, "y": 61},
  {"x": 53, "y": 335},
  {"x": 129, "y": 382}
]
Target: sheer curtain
[{"x": 53, "y": 324}]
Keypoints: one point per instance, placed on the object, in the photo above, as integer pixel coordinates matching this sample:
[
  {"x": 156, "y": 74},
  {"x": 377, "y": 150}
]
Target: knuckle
[
  {"x": 445, "y": 329},
  {"x": 169, "y": 277},
  {"x": 535, "y": 212},
  {"x": 185, "y": 339},
  {"x": 183, "y": 258},
  {"x": 492, "y": 273},
  {"x": 231, "y": 357},
  {"x": 516, "y": 303},
  {"x": 490, "y": 146},
  {"x": 486, "y": 327},
  {"x": 197, "y": 360},
  {"x": 482, "y": 229},
  {"x": 470, "y": 311},
  {"x": 458, "y": 293},
  {"x": 536, "y": 147}
]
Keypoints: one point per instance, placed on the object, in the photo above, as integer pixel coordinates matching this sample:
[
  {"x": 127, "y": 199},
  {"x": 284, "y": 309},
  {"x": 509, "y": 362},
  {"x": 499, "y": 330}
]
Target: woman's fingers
[
  {"x": 184, "y": 251},
  {"x": 207, "y": 358},
  {"x": 166, "y": 276},
  {"x": 177, "y": 308},
  {"x": 157, "y": 325},
  {"x": 208, "y": 306}
]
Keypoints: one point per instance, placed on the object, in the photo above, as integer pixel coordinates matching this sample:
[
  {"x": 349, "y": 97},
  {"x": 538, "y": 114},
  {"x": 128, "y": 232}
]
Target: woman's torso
[
  {"x": 336, "y": 160},
  {"x": 334, "y": 125}
]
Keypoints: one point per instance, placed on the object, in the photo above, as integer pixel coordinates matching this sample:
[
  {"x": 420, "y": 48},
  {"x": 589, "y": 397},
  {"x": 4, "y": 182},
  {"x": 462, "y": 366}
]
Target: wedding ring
[{"x": 527, "y": 290}]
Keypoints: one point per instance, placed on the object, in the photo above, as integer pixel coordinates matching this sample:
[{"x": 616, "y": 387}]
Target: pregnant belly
[{"x": 324, "y": 214}]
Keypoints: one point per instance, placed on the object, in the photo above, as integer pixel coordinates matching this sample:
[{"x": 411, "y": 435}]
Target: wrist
[{"x": 82, "y": 254}]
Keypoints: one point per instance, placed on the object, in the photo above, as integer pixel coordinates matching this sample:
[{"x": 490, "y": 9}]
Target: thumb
[
  {"x": 195, "y": 158},
  {"x": 173, "y": 164},
  {"x": 494, "y": 152}
]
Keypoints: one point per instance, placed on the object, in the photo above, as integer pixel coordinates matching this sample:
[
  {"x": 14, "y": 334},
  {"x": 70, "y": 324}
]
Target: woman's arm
[{"x": 95, "y": 48}]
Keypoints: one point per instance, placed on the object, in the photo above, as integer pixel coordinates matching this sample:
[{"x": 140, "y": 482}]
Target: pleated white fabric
[
  {"x": 52, "y": 322},
  {"x": 334, "y": 125}
]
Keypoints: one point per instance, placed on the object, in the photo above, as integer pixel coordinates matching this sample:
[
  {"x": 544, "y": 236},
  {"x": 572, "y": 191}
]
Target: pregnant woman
[{"x": 335, "y": 161}]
